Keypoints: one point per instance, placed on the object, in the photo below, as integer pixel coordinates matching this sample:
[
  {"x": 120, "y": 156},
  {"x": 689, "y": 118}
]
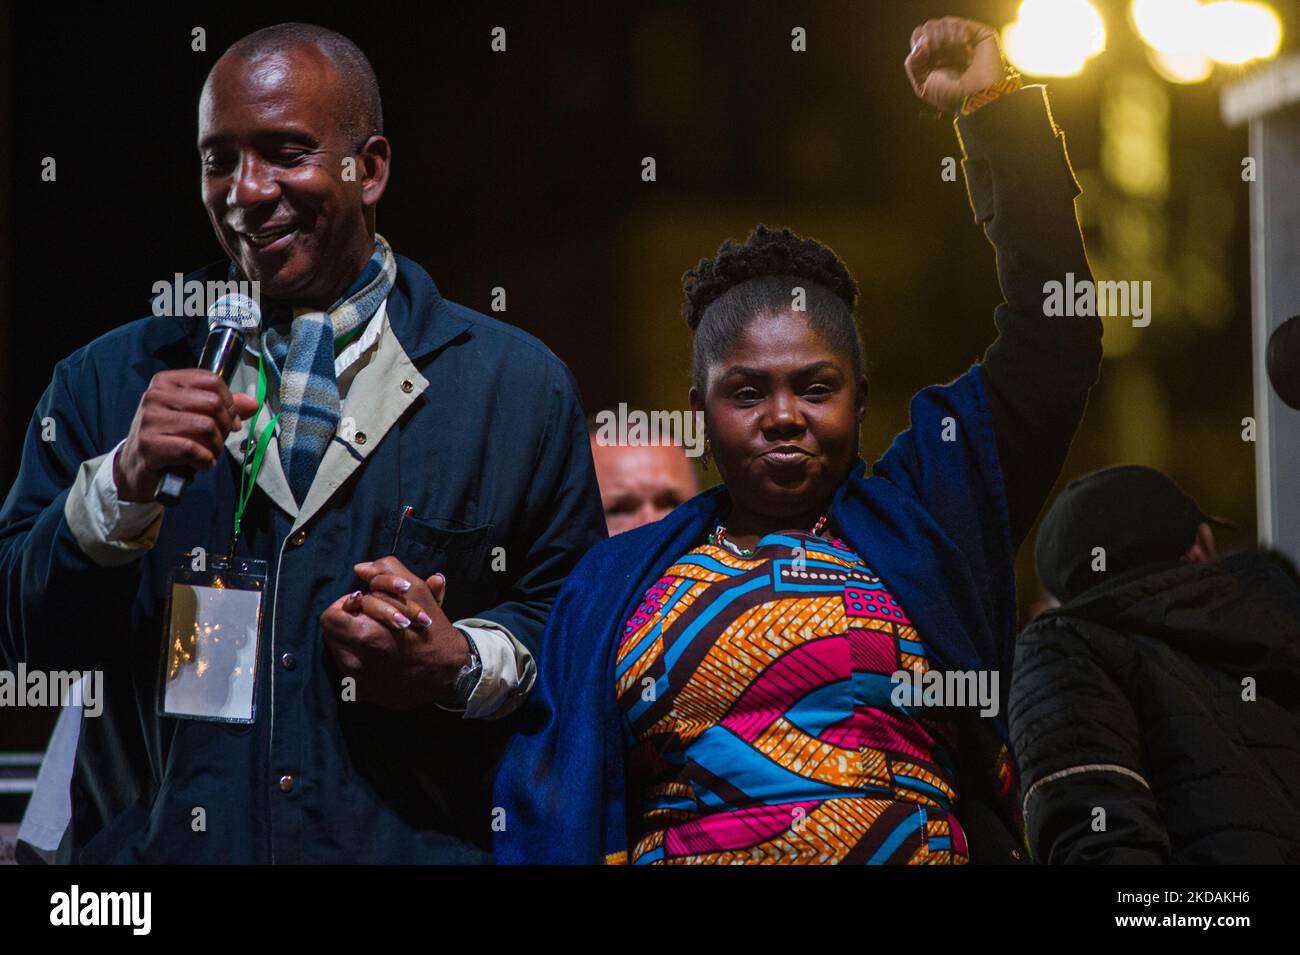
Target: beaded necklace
[{"x": 719, "y": 538}]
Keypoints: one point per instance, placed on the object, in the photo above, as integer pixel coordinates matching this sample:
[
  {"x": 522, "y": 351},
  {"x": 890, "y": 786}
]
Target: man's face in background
[
  {"x": 639, "y": 485},
  {"x": 272, "y": 153}
]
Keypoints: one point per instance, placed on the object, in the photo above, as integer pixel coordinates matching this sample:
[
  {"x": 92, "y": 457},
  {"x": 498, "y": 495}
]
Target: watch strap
[{"x": 470, "y": 674}]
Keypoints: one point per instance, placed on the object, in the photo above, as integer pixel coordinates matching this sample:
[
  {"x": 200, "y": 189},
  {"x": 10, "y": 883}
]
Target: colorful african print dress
[{"x": 757, "y": 697}]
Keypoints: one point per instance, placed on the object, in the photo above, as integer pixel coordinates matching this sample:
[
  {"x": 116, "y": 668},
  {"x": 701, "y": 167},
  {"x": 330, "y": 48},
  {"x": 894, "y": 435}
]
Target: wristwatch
[{"x": 469, "y": 675}]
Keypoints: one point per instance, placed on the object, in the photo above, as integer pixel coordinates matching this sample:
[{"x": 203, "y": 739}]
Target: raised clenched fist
[{"x": 952, "y": 58}]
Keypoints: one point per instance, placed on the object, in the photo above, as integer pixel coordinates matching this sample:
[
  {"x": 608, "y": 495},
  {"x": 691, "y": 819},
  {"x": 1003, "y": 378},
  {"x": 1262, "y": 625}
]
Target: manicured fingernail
[
  {"x": 401, "y": 620},
  {"x": 402, "y": 585},
  {"x": 355, "y": 595},
  {"x": 424, "y": 618}
]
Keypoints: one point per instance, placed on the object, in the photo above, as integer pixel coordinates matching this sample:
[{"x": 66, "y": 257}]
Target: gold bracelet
[{"x": 1008, "y": 84}]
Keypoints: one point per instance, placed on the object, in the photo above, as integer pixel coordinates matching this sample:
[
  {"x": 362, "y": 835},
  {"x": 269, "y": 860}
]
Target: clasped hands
[{"x": 394, "y": 639}]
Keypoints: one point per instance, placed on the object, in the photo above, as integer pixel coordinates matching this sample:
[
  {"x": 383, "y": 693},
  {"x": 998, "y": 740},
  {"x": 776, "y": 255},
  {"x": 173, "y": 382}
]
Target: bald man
[
  {"x": 640, "y": 484},
  {"x": 415, "y": 481}
]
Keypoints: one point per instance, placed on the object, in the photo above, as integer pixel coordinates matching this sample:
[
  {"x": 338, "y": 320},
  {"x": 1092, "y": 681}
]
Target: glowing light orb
[{"x": 1054, "y": 37}]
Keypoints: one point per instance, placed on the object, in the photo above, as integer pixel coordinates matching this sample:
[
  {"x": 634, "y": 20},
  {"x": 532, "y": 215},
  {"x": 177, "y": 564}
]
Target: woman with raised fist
[{"x": 809, "y": 663}]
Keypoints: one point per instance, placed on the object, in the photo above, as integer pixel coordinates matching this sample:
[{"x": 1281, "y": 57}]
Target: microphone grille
[{"x": 235, "y": 311}]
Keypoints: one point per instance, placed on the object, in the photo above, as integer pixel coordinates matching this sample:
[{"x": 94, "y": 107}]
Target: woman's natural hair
[{"x": 760, "y": 276}]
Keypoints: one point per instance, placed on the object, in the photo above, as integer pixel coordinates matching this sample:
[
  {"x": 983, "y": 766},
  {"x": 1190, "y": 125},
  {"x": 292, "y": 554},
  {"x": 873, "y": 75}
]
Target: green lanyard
[{"x": 251, "y": 466}]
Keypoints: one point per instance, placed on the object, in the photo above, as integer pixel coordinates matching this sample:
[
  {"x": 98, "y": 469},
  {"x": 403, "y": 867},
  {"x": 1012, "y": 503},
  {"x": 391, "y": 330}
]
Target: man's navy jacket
[{"x": 478, "y": 428}]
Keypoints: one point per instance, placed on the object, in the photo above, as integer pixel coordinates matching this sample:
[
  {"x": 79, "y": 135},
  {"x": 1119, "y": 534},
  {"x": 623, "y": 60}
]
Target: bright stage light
[
  {"x": 1235, "y": 32},
  {"x": 1191, "y": 66},
  {"x": 1170, "y": 26},
  {"x": 1184, "y": 36},
  {"x": 1054, "y": 37}
]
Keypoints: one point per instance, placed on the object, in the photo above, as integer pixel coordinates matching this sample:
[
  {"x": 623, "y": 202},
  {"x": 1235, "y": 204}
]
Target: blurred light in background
[
  {"x": 1184, "y": 38},
  {"x": 1135, "y": 150},
  {"x": 1171, "y": 30},
  {"x": 1132, "y": 200},
  {"x": 1234, "y": 32},
  {"x": 1169, "y": 26},
  {"x": 1188, "y": 66},
  {"x": 1054, "y": 37}
]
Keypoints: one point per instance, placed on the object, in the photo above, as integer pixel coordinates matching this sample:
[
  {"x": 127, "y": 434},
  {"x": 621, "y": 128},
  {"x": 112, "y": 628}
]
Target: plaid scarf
[{"x": 303, "y": 361}]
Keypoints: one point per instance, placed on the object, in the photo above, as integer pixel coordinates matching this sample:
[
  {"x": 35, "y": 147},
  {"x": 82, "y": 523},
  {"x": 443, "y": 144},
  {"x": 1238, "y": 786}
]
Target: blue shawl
[{"x": 931, "y": 520}]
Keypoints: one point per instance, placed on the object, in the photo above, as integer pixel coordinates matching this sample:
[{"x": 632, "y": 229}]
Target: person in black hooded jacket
[{"x": 1156, "y": 713}]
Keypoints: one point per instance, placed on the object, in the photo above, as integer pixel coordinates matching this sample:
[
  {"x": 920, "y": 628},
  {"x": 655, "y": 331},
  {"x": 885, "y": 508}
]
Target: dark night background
[{"x": 522, "y": 169}]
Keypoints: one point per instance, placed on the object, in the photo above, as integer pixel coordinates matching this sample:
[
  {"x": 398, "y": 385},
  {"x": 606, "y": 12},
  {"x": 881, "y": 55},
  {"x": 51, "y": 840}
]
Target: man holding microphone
[{"x": 395, "y": 483}]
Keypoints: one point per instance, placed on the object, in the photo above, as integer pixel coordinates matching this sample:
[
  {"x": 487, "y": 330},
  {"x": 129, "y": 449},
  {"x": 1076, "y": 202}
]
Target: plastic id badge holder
[{"x": 214, "y": 619}]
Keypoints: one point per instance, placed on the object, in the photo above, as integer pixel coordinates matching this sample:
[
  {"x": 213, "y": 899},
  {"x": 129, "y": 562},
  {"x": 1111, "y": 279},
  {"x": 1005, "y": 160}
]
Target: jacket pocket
[{"x": 441, "y": 545}]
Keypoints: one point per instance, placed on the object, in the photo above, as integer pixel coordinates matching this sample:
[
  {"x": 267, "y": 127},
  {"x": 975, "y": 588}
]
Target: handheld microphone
[
  {"x": 229, "y": 319},
  {"x": 1283, "y": 361}
]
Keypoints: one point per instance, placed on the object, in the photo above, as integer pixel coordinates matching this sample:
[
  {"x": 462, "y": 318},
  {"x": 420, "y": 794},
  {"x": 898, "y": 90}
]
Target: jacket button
[
  {"x": 297, "y": 539},
  {"x": 408, "y": 386},
  {"x": 286, "y": 783},
  {"x": 289, "y": 661},
  {"x": 359, "y": 437}
]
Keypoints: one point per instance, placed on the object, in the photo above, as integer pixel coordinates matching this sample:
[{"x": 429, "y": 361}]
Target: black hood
[{"x": 1240, "y": 615}]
